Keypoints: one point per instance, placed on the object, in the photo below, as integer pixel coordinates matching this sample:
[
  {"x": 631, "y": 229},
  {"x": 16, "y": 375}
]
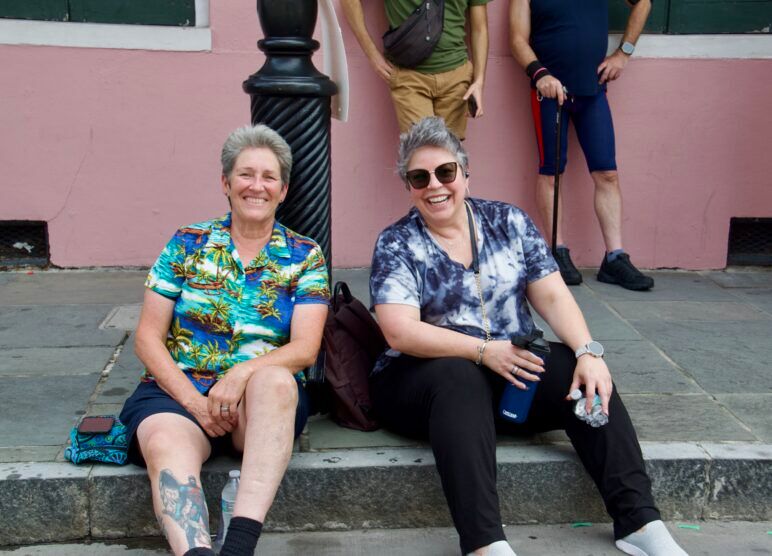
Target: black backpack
[{"x": 352, "y": 341}]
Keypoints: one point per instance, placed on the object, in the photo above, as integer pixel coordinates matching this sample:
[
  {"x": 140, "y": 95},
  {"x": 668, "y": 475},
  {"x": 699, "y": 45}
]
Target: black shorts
[{"x": 148, "y": 399}]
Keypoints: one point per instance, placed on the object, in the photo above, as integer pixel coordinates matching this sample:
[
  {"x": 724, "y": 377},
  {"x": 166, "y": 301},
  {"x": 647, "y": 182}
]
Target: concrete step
[{"x": 384, "y": 488}]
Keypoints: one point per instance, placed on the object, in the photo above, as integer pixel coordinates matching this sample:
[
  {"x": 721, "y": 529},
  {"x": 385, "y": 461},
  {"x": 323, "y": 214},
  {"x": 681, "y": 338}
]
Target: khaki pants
[{"x": 417, "y": 95}]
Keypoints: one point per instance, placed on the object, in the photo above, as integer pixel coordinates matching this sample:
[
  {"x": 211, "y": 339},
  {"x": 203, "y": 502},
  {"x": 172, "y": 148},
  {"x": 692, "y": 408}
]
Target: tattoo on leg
[{"x": 185, "y": 505}]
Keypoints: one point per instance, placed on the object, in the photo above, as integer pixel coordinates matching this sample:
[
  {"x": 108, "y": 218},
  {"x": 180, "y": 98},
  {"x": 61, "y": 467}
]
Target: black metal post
[{"x": 291, "y": 96}]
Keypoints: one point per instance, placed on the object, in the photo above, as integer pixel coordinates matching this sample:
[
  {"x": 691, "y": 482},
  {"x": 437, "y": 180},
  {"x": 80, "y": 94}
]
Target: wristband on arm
[{"x": 536, "y": 71}]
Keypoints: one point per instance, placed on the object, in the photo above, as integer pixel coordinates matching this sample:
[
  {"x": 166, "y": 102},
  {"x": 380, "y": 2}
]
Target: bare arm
[
  {"x": 636, "y": 21},
  {"x": 405, "y": 332},
  {"x": 520, "y": 46},
  {"x": 356, "y": 20},
  {"x": 154, "y": 323},
  {"x": 306, "y": 329},
  {"x": 554, "y": 302},
  {"x": 612, "y": 66},
  {"x": 478, "y": 25},
  {"x": 520, "y": 32}
]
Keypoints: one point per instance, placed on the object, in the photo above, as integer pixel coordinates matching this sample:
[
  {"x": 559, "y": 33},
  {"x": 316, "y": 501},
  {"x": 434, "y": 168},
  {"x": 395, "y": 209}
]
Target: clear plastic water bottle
[
  {"x": 596, "y": 418},
  {"x": 227, "y": 501}
]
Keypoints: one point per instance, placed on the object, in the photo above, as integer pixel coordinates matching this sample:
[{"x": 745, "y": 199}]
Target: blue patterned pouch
[{"x": 98, "y": 439}]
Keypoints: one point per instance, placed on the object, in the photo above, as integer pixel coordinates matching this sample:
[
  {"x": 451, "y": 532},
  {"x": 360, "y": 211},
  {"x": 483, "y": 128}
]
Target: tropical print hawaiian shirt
[
  {"x": 410, "y": 268},
  {"x": 224, "y": 313}
]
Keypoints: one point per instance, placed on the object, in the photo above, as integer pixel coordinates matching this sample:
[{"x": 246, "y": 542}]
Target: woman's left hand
[
  {"x": 594, "y": 374},
  {"x": 225, "y": 396},
  {"x": 512, "y": 363}
]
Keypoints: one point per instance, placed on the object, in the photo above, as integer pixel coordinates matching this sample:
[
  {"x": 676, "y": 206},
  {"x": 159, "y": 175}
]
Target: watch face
[
  {"x": 628, "y": 48},
  {"x": 595, "y": 348}
]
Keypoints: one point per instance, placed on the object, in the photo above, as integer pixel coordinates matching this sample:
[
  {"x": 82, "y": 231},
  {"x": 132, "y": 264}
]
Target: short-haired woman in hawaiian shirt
[
  {"x": 234, "y": 310},
  {"x": 443, "y": 374}
]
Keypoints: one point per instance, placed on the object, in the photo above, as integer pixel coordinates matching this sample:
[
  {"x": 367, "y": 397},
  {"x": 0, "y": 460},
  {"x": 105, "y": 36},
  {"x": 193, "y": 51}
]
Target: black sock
[
  {"x": 241, "y": 538},
  {"x": 200, "y": 551}
]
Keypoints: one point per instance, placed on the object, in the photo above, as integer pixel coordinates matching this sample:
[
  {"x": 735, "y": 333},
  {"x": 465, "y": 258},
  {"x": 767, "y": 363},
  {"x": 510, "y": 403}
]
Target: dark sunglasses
[{"x": 445, "y": 173}]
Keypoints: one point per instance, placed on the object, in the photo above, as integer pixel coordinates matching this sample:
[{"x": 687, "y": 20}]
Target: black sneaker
[
  {"x": 568, "y": 271},
  {"x": 621, "y": 271}
]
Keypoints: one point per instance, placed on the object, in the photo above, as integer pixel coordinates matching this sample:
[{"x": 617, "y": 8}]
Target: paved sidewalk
[
  {"x": 691, "y": 359},
  {"x": 712, "y": 537}
]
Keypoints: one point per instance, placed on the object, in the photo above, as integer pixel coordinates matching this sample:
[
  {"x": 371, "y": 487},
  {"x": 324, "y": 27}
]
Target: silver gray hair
[
  {"x": 256, "y": 137},
  {"x": 429, "y": 132}
]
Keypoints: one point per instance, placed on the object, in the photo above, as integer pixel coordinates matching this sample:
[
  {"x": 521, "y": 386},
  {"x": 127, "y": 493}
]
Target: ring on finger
[
  {"x": 225, "y": 408},
  {"x": 515, "y": 370}
]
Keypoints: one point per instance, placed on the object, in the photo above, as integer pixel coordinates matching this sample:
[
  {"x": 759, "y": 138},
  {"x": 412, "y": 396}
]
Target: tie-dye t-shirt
[
  {"x": 410, "y": 268},
  {"x": 224, "y": 313}
]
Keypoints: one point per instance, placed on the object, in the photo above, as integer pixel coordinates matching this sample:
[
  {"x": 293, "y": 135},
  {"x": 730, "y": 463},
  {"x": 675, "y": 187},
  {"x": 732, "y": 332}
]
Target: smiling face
[
  {"x": 254, "y": 186},
  {"x": 440, "y": 204}
]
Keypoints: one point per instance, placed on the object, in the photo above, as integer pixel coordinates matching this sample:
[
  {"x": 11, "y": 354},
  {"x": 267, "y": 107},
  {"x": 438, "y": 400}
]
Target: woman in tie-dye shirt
[
  {"x": 450, "y": 354},
  {"x": 233, "y": 311}
]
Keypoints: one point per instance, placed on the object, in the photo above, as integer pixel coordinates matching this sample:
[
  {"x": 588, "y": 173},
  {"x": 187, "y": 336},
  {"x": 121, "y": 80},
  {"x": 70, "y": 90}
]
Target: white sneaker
[
  {"x": 498, "y": 548},
  {"x": 653, "y": 539}
]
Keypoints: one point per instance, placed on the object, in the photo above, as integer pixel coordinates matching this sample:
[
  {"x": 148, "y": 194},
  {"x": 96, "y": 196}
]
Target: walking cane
[{"x": 556, "y": 191}]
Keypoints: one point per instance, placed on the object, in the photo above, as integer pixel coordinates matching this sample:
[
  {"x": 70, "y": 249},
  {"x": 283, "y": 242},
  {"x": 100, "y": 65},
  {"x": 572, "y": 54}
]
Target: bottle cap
[
  {"x": 575, "y": 394},
  {"x": 520, "y": 341},
  {"x": 234, "y": 473}
]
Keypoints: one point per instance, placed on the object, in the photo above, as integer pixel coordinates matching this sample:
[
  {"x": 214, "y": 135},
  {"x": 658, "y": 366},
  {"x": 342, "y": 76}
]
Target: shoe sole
[
  {"x": 608, "y": 279},
  {"x": 630, "y": 549}
]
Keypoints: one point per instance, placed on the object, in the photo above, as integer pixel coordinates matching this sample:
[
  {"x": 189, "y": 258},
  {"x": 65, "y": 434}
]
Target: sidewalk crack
[{"x": 104, "y": 375}]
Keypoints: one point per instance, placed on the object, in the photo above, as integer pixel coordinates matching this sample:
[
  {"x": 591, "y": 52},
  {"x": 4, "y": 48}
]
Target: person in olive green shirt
[{"x": 442, "y": 84}]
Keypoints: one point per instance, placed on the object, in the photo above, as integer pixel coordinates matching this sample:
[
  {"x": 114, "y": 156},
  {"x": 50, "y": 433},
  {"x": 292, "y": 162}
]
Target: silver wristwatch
[
  {"x": 593, "y": 348},
  {"x": 627, "y": 47}
]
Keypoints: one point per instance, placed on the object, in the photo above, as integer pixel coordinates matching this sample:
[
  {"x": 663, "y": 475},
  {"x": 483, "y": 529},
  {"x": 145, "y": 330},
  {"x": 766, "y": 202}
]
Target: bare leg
[
  {"x": 545, "y": 194},
  {"x": 265, "y": 434},
  {"x": 174, "y": 449},
  {"x": 608, "y": 207}
]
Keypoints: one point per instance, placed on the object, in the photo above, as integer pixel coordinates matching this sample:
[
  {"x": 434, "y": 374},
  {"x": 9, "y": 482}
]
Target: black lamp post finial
[{"x": 291, "y": 96}]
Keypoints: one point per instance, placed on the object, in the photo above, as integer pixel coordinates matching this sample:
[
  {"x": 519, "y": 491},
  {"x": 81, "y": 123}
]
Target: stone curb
[{"x": 386, "y": 488}]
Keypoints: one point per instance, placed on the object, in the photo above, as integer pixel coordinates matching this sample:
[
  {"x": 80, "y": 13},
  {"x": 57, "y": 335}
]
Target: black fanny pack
[{"x": 413, "y": 42}]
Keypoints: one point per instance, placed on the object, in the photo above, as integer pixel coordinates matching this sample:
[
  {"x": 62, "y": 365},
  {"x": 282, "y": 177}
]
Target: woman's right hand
[
  {"x": 213, "y": 426},
  {"x": 513, "y": 363}
]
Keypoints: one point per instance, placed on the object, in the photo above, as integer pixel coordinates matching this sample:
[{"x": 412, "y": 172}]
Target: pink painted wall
[{"x": 117, "y": 148}]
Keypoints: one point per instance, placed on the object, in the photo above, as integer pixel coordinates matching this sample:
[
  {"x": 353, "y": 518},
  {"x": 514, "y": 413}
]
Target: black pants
[{"x": 451, "y": 401}]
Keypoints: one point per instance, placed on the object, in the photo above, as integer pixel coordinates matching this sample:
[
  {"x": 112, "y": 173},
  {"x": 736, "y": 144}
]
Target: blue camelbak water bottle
[{"x": 515, "y": 403}]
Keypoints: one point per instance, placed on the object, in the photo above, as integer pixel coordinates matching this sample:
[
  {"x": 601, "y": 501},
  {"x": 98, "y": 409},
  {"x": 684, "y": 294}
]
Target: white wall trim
[
  {"x": 202, "y": 13},
  {"x": 700, "y": 46},
  {"x": 106, "y": 35}
]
